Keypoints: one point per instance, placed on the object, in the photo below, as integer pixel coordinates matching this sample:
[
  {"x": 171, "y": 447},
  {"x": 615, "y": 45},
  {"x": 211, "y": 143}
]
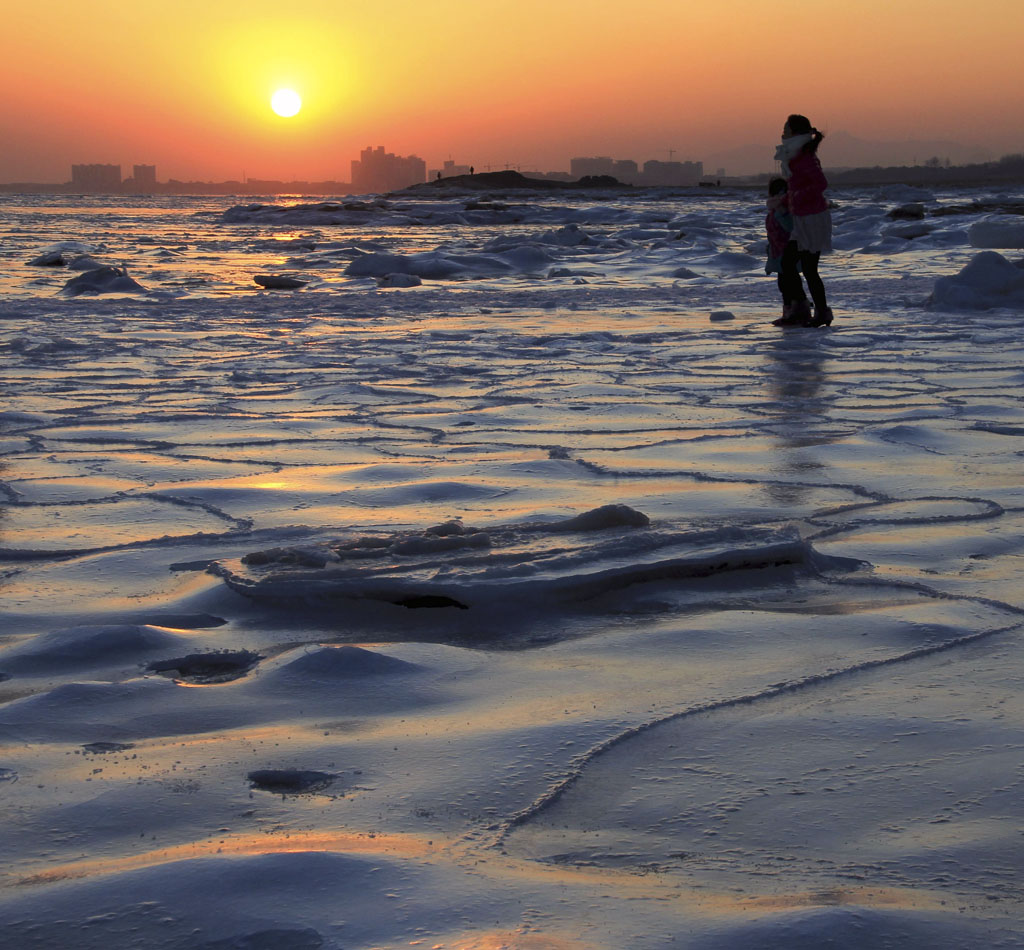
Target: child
[
  {"x": 779, "y": 225},
  {"x": 812, "y": 223}
]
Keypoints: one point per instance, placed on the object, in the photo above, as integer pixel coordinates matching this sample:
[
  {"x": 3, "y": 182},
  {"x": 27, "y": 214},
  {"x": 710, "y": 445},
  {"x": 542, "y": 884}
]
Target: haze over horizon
[{"x": 188, "y": 89}]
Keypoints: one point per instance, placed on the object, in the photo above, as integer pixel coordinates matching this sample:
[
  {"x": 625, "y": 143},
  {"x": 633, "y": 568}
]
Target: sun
[{"x": 286, "y": 102}]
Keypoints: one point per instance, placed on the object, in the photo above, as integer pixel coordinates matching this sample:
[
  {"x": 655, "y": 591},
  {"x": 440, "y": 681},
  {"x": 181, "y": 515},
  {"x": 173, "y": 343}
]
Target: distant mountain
[{"x": 848, "y": 151}]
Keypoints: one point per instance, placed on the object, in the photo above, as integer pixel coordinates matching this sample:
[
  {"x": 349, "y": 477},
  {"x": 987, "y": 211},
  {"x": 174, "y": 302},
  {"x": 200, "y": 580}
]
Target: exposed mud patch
[
  {"x": 291, "y": 781},
  {"x": 219, "y": 667},
  {"x": 102, "y": 748}
]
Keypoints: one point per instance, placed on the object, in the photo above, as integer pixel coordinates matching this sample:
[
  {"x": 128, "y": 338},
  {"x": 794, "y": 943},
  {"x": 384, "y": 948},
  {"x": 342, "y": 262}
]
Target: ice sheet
[{"x": 526, "y": 607}]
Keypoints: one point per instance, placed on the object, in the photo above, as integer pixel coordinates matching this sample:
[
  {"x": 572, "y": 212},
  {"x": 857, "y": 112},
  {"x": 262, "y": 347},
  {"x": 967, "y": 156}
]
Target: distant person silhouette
[
  {"x": 812, "y": 224},
  {"x": 471, "y": 169}
]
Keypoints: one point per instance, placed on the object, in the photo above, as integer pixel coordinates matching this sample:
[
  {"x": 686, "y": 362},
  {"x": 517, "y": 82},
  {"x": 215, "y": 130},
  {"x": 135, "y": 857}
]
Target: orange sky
[{"x": 186, "y": 85}]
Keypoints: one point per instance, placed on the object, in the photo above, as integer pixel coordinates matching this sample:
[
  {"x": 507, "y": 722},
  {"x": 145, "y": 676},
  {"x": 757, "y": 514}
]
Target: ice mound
[
  {"x": 998, "y": 230},
  {"x": 343, "y": 662},
  {"x": 513, "y": 569},
  {"x": 74, "y": 708},
  {"x": 988, "y": 280},
  {"x": 101, "y": 280},
  {"x": 607, "y": 516},
  {"x": 83, "y": 647}
]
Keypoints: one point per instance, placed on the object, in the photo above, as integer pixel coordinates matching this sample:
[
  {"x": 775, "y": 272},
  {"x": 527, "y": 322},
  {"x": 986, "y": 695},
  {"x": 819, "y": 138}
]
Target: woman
[{"x": 812, "y": 224}]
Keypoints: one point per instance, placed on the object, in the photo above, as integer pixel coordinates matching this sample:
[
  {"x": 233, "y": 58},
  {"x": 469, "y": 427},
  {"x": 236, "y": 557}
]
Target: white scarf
[{"x": 789, "y": 148}]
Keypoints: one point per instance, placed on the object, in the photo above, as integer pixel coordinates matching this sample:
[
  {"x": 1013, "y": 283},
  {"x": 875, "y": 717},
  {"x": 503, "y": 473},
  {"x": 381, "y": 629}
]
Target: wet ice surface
[{"x": 516, "y": 608}]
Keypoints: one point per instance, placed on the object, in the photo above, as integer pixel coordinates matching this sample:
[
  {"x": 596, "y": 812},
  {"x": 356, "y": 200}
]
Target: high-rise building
[
  {"x": 144, "y": 177},
  {"x": 582, "y": 167},
  {"x": 96, "y": 177},
  {"x": 379, "y": 171},
  {"x": 673, "y": 174},
  {"x": 626, "y": 170}
]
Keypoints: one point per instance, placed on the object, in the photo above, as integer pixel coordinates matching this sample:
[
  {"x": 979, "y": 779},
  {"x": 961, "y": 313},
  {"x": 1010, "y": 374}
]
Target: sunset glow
[{"x": 471, "y": 82}]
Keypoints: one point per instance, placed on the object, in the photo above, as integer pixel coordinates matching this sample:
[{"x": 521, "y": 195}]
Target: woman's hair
[
  {"x": 777, "y": 186},
  {"x": 801, "y": 125}
]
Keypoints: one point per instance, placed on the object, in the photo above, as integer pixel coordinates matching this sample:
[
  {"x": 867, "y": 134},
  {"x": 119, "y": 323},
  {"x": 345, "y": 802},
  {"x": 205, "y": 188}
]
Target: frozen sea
[{"x": 510, "y": 582}]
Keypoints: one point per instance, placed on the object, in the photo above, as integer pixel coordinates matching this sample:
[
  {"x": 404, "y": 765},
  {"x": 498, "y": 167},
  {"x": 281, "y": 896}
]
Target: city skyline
[
  {"x": 745, "y": 162},
  {"x": 379, "y": 170}
]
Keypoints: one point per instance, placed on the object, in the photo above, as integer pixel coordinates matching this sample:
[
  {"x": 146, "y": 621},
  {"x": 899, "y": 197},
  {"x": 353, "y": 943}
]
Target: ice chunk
[
  {"x": 607, "y": 516},
  {"x": 988, "y": 280},
  {"x": 998, "y": 230},
  {"x": 48, "y": 259},
  {"x": 101, "y": 280}
]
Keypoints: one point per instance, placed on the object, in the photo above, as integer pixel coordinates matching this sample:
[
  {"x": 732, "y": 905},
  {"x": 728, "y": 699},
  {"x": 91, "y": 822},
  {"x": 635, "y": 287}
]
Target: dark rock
[
  {"x": 909, "y": 212},
  {"x": 278, "y": 281}
]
